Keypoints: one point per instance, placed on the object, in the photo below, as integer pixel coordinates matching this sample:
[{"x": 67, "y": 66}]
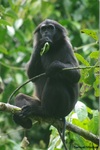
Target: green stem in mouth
[{"x": 45, "y": 48}]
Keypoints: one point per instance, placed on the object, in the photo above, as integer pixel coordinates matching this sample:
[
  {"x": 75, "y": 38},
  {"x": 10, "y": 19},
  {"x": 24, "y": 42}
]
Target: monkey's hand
[
  {"x": 54, "y": 69},
  {"x": 27, "y": 111},
  {"x": 44, "y": 40}
]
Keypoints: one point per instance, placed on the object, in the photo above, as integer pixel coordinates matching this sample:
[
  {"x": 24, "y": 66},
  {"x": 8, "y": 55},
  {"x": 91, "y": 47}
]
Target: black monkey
[{"x": 57, "y": 91}]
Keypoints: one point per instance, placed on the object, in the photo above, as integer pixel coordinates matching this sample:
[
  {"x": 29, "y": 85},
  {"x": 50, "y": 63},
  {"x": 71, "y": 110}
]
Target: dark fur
[{"x": 57, "y": 92}]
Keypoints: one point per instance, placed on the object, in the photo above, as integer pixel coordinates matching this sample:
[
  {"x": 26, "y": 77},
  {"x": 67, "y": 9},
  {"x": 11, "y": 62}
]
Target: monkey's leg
[{"x": 22, "y": 101}]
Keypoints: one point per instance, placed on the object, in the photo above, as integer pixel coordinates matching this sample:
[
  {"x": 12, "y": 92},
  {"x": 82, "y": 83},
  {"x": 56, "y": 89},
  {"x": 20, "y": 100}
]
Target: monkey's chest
[{"x": 47, "y": 60}]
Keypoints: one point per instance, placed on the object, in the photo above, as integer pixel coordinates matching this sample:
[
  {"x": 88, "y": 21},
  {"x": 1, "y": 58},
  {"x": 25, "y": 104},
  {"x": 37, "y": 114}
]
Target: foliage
[
  {"x": 18, "y": 20},
  {"x": 83, "y": 117}
]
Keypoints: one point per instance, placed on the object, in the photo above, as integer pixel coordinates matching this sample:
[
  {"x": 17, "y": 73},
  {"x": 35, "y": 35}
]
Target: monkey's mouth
[{"x": 48, "y": 40}]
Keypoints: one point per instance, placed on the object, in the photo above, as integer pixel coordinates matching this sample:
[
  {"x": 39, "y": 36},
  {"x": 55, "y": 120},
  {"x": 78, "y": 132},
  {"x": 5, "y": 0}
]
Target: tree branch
[
  {"x": 87, "y": 45},
  {"x": 55, "y": 122},
  {"x": 9, "y": 108}
]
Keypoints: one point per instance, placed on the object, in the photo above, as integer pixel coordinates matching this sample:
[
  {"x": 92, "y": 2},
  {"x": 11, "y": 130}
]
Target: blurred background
[{"x": 18, "y": 20}]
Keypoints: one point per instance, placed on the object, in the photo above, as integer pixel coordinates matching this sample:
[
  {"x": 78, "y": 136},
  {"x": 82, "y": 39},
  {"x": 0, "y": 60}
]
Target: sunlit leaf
[
  {"x": 94, "y": 123},
  {"x": 81, "y": 111},
  {"x": 95, "y": 54},
  {"x": 18, "y": 23},
  {"x": 81, "y": 59},
  {"x": 91, "y": 33}
]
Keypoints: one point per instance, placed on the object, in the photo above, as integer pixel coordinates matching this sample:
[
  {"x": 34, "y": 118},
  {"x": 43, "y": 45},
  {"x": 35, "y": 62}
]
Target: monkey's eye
[
  {"x": 43, "y": 28},
  {"x": 51, "y": 27}
]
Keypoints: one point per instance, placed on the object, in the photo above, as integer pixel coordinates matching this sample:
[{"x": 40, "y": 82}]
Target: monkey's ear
[
  {"x": 36, "y": 36},
  {"x": 38, "y": 28}
]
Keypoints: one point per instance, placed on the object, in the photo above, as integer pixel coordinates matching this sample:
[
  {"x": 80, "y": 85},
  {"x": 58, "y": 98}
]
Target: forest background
[{"x": 18, "y": 20}]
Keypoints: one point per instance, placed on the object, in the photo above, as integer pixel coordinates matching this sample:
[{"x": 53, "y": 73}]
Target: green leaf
[
  {"x": 96, "y": 86},
  {"x": 91, "y": 33},
  {"x": 2, "y": 9},
  {"x": 21, "y": 36},
  {"x": 4, "y": 22},
  {"x": 89, "y": 110},
  {"x": 11, "y": 14},
  {"x": 45, "y": 48},
  {"x": 3, "y": 50},
  {"x": 82, "y": 60},
  {"x": 3, "y": 34},
  {"x": 90, "y": 78},
  {"x": 81, "y": 111},
  {"x": 94, "y": 123},
  {"x": 95, "y": 55}
]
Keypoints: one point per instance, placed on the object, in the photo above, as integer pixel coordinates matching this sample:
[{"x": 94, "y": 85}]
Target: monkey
[{"x": 57, "y": 92}]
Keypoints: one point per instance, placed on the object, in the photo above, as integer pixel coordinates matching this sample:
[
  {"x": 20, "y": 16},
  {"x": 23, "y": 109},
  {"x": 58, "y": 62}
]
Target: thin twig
[
  {"x": 88, "y": 45},
  {"x": 17, "y": 89},
  {"x": 82, "y": 67}
]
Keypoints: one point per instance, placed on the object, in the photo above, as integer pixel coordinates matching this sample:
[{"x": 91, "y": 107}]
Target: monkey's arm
[
  {"x": 34, "y": 66},
  {"x": 55, "y": 70}
]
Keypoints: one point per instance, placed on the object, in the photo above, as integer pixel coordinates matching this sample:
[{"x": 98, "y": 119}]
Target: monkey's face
[{"x": 47, "y": 32}]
